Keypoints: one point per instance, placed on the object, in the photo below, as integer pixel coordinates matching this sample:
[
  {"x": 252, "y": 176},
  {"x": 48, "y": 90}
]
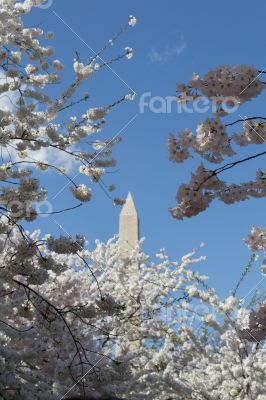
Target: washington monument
[{"x": 128, "y": 227}]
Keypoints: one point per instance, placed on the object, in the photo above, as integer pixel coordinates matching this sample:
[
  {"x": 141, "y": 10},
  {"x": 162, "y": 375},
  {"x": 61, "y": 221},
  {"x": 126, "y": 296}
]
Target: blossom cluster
[
  {"x": 50, "y": 309},
  {"x": 154, "y": 328},
  {"x": 214, "y": 141},
  {"x": 210, "y": 141},
  {"x": 253, "y": 133},
  {"x": 32, "y": 124},
  {"x": 256, "y": 241},
  {"x": 240, "y": 82},
  {"x": 205, "y": 186}
]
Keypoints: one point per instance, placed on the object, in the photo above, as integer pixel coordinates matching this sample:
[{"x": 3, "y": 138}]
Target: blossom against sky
[{"x": 206, "y": 37}]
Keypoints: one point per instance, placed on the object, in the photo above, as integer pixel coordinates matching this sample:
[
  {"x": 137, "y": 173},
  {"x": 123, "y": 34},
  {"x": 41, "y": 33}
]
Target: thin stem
[
  {"x": 244, "y": 273},
  {"x": 243, "y": 120}
]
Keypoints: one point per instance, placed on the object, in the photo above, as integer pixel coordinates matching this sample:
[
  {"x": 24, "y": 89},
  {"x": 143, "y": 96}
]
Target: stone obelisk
[
  {"x": 128, "y": 227},
  {"x": 128, "y": 241}
]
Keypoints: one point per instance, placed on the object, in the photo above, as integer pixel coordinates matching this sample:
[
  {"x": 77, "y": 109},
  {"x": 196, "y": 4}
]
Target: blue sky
[{"x": 171, "y": 40}]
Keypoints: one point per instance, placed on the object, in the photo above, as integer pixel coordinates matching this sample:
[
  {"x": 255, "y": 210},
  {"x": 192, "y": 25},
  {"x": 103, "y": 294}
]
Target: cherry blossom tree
[
  {"x": 106, "y": 328},
  {"x": 225, "y": 89},
  {"x": 89, "y": 329},
  {"x": 33, "y": 124},
  {"x": 92, "y": 324}
]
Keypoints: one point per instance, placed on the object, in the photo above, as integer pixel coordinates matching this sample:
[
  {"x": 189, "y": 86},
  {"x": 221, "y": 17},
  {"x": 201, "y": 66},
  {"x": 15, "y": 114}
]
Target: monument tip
[{"x": 129, "y": 206}]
